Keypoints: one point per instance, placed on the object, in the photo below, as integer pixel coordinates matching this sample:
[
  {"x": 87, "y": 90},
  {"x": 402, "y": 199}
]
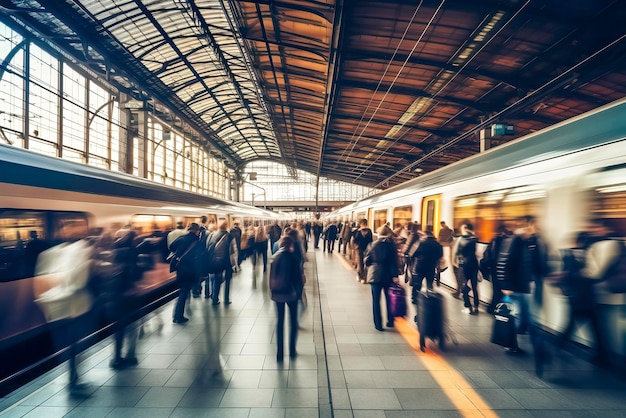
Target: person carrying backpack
[
  {"x": 468, "y": 264},
  {"x": 286, "y": 283},
  {"x": 222, "y": 262},
  {"x": 188, "y": 253}
]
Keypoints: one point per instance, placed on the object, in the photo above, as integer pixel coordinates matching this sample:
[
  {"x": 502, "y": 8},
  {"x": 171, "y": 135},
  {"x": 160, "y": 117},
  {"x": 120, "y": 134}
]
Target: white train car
[
  {"x": 46, "y": 201},
  {"x": 563, "y": 175}
]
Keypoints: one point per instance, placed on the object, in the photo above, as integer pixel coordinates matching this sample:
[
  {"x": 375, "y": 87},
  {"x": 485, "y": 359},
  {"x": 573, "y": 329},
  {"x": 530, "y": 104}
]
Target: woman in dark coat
[
  {"x": 286, "y": 286},
  {"x": 382, "y": 261}
]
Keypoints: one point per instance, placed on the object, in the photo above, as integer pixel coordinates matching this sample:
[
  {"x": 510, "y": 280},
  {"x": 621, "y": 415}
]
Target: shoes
[
  {"x": 207, "y": 296},
  {"x": 117, "y": 363},
  {"x": 280, "y": 357},
  {"x": 131, "y": 361},
  {"x": 380, "y": 328},
  {"x": 389, "y": 324},
  {"x": 180, "y": 320},
  {"x": 122, "y": 363},
  {"x": 81, "y": 390},
  {"x": 293, "y": 355},
  {"x": 456, "y": 296},
  {"x": 228, "y": 302},
  {"x": 474, "y": 311},
  {"x": 513, "y": 350},
  {"x": 467, "y": 311},
  {"x": 196, "y": 295},
  {"x": 216, "y": 302}
]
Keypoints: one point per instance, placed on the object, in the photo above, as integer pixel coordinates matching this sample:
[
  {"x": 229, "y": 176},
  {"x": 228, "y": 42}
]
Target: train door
[
  {"x": 370, "y": 218},
  {"x": 431, "y": 213}
]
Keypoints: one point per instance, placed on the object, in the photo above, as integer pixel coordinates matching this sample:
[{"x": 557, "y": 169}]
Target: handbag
[{"x": 175, "y": 261}]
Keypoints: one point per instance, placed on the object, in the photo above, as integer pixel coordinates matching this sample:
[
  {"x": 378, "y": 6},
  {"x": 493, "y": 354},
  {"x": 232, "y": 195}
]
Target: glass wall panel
[
  {"x": 43, "y": 101},
  {"x": 12, "y": 88},
  {"x": 73, "y": 114}
]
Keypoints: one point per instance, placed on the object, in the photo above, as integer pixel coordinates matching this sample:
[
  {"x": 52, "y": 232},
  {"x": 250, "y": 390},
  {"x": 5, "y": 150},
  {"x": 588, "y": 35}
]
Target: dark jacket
[
  {"x": 428, "y": 253},
  {"x": 382, "y": 261},
  {"x": 362, "y": 238},
  {"x": 331, "y": 232},
  {"x": 236, "y": 233},
  {"x": 526, "y": 263},
  {"x": 285, "y": 277},
  {"x": 466, "y": 251},
  {"x": 189, "y": 266}
]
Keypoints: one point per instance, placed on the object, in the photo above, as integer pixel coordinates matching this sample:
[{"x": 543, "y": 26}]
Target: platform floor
[{"x": 223, "y": 364}]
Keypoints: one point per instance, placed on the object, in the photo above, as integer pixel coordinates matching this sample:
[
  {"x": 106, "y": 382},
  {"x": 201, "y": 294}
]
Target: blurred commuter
[
  {"x": 527, "y": 264},
  {"x": 187, "y": 250},
  {"x": 33, "y": 248},
  {"x": 428, "y": 254},
  {"x": 68, "y": 301},
  {"x": 382, "y": 270},
  {"x": 468, "y": 264},
  {"x": 362, "y": 238},
  {"x": 274, "y": 232},
  {"x": 178, "y": 232},
  {"x": 260, "y": 246},
  {"x": 247, "y": 244},
  {"x": 317, "y": 232},
  {"x": 346, "y": 234},
  {"x": 307, "y": 229},
  {"x": 340, "y": 227},
  {"x": 446, "y": 235},
  {"x": 330, "y": 236},
  {"x": 235, "y": 231},
  {"x": 285, "y": 285},
  {"x": 117, "y": 285},
  {"x": 488, "y": 266},
  {"x": 600, "y": 256},
  {"x": 224, "y": 262}
]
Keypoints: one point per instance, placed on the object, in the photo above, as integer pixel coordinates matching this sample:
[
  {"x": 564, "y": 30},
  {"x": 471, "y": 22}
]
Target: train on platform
[
  {"x": 563, "y": 175},
  {"x": 62, "y": 210}
]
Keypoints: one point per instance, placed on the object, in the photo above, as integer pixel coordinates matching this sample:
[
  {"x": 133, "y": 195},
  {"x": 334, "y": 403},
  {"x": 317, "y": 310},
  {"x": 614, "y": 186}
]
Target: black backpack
[
  {"x": 218, "y": 252},
  {"x": 503, "y": 257}
]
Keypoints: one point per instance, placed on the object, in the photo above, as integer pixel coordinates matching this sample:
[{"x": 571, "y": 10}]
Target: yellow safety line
[{"x": 452, "y": 383}]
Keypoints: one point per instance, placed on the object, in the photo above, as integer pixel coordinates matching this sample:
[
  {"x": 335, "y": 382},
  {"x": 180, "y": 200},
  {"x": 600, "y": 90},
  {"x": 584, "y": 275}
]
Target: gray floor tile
[
  {"x": 247, "y": 398},
  {"x": 158, "y": 397},
  {"x": 374, "y": 399},
  {"x": 295, "y": 397},
  {"x": 140, "y": 412}
]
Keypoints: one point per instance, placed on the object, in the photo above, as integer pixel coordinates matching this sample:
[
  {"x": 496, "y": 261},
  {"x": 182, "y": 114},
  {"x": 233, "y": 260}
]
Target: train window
[
  {"x": 16, "y": 226},
  {"x": 149, "y": 224},
  {"x": 25, "y": 233},
  {"x": 380, "y": 218},
  {"x": 402, "y": 216},
  {"x": 487, "y": 210},
  {"x": 608, "y": 197},
  {"x": 70, "y": 226}
]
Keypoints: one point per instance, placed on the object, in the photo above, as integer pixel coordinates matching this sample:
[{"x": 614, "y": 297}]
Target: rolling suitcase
[
  {"x": 504, "y": 332},
  {"x": 429, "y": 318},
  {"x": 397, "y": 300}
]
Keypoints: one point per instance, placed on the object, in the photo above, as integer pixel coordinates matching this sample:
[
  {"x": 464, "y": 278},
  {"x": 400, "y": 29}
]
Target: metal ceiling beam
[{"x": 114, "y": 53}]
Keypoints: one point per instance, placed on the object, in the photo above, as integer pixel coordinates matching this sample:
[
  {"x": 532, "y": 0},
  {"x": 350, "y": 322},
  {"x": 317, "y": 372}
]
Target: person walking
[
  {"x": 285, "y": 286},
  {"x": 468, "y": 264},
  {"x": 188, "y": 252},
  {"x": 361, "y": 239},
  {"x": 382, "y": 261},
  {"x": 224, "y": 262}
]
